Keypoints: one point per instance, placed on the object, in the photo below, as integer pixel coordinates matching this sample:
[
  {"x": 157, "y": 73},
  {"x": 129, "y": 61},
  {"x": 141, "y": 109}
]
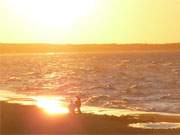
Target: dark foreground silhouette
[{"x": 19, "y": 119}]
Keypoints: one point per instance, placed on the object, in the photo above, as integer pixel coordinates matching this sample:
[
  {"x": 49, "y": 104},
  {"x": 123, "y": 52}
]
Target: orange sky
[{"x": 89, "y": 21}]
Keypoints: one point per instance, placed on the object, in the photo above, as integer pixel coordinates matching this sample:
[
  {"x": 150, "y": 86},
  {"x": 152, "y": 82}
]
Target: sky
[{"x": 89, "y": 21}]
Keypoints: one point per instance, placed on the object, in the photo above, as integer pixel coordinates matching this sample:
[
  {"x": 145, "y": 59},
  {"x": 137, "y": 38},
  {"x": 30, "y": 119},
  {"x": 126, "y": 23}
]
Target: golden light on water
[{"x": 52, "y": 106}]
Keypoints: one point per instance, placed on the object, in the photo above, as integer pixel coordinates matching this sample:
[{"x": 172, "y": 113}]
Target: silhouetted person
[{"x": 78, "y": 104}]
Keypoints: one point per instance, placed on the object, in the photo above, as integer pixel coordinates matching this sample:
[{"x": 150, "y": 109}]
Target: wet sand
[{"x": 20, "y": 119}]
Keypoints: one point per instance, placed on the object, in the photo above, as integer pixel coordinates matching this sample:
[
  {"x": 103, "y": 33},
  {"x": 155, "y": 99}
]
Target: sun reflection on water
[
  {"x": 156, "y": 125},
  {"x": 51, "y": 105}
]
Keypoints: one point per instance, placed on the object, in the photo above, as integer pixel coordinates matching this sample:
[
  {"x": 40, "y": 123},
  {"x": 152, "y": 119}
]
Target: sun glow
[
  {"x": 52, "y": 106},
  {"x": 51, "y": 13}
]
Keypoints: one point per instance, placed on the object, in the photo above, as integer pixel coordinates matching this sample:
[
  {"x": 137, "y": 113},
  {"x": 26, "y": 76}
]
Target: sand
[{"x": 20, "y": 119}]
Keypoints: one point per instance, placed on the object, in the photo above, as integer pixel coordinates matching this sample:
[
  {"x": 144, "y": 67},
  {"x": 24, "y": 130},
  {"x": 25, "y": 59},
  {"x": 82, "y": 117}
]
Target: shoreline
[
  {"x": 54, "y": 48},
  {"x": 20, "y": 119},
  {"x": 30, "y": 100}
]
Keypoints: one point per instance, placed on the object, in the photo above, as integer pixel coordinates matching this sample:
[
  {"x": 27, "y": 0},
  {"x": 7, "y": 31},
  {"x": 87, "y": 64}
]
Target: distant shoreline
[{"x": 112, "y": 48}]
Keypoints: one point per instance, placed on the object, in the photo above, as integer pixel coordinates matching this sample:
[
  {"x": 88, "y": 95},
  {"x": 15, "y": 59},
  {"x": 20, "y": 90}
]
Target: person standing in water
[{"x": 78, "y": 104}]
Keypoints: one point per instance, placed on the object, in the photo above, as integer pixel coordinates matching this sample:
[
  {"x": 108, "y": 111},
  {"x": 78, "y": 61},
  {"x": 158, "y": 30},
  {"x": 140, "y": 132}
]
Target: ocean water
[{"x": 141, "y": 81}]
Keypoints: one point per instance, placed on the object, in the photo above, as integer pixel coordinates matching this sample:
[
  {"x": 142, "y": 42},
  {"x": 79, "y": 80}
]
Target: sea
[{"x": 140, "y": 81}]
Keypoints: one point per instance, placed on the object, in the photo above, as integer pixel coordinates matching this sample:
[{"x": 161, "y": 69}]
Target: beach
[
  {"x": 21, "y": 119},
  {"x": 90, "y": 67},
  {"x": 121, "y": 93}
]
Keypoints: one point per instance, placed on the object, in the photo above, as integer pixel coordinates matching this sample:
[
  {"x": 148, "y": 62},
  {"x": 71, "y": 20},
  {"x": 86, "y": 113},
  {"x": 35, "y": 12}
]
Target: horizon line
[{"x": 41, "y": 43}]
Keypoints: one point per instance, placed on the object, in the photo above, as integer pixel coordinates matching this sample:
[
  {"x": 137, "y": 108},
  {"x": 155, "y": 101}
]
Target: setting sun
[
  {"x": 89, "y": 21},
  {"x": 51, "y": 106},
  {"x": 52, "y": 13}
]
